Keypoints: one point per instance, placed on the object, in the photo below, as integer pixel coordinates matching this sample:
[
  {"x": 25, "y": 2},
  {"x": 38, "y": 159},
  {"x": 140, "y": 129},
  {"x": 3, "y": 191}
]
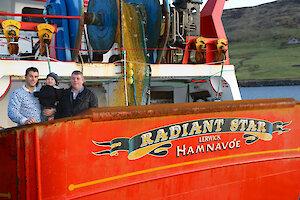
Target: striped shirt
[{"x": 23, "y": 106}]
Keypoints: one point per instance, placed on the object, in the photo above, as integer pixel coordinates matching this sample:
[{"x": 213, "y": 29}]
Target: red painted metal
[
  {"x": 211, "y": 25},
  {"x": 210, "y": 50},
  {"x": 86, "y": 3},
  {"x": 76, "y": 158},
  {"x": 38, "y": 164},
  {"x": 197, "y": 81},
  {"x": 7, "y": 87},
  {"x": 57, "y": 160}
]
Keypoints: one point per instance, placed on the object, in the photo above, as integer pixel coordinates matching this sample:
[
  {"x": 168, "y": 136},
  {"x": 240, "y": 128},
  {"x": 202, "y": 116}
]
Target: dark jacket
[
  {"x": 48, "y": 95},
  {"x": 68, "y": 107}
]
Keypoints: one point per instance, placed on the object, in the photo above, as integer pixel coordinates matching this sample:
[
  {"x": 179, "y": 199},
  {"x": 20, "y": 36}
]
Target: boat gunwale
[{"x": 160, "y": 110}]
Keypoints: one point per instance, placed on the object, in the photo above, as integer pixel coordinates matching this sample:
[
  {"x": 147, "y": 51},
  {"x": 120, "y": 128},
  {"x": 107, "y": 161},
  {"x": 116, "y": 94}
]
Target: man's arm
[
  {"x": 93, "y": 101},
  {"x": 13, "y": 109},
  {"x": 62, "y": 95}
]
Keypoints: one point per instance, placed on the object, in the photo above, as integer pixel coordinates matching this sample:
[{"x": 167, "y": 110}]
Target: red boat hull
[{"x": 221, "y": 150}]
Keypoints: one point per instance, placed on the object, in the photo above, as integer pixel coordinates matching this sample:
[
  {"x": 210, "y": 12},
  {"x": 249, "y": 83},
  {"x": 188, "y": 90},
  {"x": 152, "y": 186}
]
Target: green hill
[{"x": 264, "y": 41}]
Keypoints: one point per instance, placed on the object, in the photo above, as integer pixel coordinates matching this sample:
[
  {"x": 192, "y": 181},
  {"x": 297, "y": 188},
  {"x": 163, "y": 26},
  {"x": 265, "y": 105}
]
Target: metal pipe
[
  {"x": 124, "y": 52},
  {"x": 48, "y": 58},
  {"x": 40, "y": 16},
  {"x": 92, "y": 19}
]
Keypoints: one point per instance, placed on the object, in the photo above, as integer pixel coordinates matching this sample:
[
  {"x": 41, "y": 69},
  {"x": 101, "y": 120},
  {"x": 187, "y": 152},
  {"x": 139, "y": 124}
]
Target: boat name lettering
[
  {"x": 156, "y": 142},
  {"x": 209, "y": 138},
  {"x": 220, "y": 146}
]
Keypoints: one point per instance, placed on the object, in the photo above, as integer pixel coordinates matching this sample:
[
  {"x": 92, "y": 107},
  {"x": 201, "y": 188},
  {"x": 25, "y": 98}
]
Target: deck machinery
[{"x": 177, "y": 45}]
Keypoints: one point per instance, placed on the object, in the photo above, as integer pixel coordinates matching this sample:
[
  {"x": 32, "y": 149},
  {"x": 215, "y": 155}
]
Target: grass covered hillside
[{"x": 264, "y": 41}]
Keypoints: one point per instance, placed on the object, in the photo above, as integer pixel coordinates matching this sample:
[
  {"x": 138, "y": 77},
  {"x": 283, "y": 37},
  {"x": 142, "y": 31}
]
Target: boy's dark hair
[{"x": 31, "y": 69}]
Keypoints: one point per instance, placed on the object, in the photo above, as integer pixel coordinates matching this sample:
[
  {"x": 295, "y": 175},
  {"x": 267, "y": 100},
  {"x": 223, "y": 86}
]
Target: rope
[
  {"x": 48, "y": 58},
  {"x": 134, "y": 91},
  {"x": 217, "y": 98},
  {"x": 170, "y": 85},
  {"x": 125, "y": 78},
  {"x": 146, "y": 88},
  {"x": 123, "y": 52},
  {"x": 81, "y": 61}
]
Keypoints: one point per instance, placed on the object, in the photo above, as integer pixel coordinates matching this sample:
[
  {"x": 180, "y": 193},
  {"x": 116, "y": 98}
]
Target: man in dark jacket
[{"x": 77, "y": 98}]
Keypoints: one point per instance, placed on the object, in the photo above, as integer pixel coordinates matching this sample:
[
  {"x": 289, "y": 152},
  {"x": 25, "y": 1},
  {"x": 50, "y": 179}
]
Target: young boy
[{"x": 48, "y": 95}]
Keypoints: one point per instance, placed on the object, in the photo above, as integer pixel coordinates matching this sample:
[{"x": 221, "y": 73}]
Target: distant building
[{"x": 294, "y": 41}]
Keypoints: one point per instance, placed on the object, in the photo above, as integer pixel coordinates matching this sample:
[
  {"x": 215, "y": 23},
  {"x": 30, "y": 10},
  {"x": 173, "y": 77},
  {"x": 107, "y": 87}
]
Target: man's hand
[
  {"x": 30, "y": 121},
  {"x": 49, "y": 112}
]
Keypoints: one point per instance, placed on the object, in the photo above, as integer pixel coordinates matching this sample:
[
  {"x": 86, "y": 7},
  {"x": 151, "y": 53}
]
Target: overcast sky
[
  {"x": 244, "y": 3},
  {"x": 238, "y": 3}
]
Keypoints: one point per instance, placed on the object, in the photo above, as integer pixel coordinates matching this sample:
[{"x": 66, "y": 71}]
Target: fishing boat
[{"x": 171, "y": 125}]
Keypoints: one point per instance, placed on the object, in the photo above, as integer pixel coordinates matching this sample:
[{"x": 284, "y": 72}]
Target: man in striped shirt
[{"x": 23, "y": 106}]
